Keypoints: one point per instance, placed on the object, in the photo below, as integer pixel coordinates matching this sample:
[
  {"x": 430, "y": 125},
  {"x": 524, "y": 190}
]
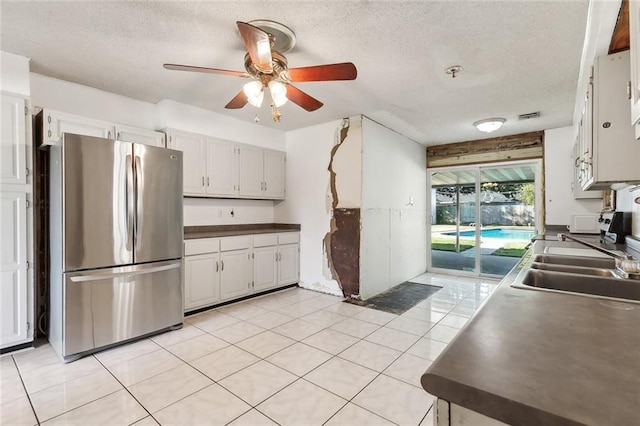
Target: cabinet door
[
  {"x": 13, "y": 165},
  {"x": 143, "y": 136},
  {"x": 587, "y": 140},
  {"x": 201, "y": 280},
  {"x": 634, "y": 48},
  {"x": 576, "y": 186},
  {"x": 288, "y": 264},
  {"x": 222, "y": 168},
  {"x": 235, "y": 274},
  {"x": 193, "y": 160},
  {"x": 265, "y": 274},
  {"x": 274, "y": 174},
  {"x": 57, "y": 123},
  {"x": 13, "y": 269},
  {"x": 251, "y": 171}
]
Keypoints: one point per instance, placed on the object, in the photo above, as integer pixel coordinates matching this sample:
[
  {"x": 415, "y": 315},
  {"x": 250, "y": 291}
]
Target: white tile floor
[{"x": 296, "y": 357}]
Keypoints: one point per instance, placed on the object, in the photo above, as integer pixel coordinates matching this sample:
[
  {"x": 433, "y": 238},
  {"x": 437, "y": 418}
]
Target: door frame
[{"x": 538, "y": 166}]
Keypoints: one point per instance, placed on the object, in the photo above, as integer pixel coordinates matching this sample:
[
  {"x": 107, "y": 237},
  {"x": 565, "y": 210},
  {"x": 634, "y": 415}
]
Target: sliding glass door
[{"x": 482, "y": 217}]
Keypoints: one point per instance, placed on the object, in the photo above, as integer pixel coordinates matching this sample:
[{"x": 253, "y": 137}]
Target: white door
[
  {"x": 288, "y": 264},
  {"x": 143, "y": 136},
  {"x": 13, "y": 166},
  {"x": 56, "y": 123},
  {"x": 201, "y": 280},
  {"x": 222, "y": 167},
  {"x": 274, "y": 174},
  {"x": 193, "y": 160},
  {"x": 235, "y": 274},
  {"x": 13, "y": 269},
  {"x": 265, "y": 271},
  {"x": 251, "y": 167}
]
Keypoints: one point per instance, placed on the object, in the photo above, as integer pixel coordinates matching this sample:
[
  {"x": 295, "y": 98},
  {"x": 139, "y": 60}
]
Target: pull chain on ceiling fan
[{"x": 268, "y": 67}]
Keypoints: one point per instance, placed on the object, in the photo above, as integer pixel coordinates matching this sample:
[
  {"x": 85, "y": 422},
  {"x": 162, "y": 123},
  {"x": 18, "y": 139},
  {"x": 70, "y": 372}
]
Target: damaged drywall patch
[{"x": 342, "y": 242}]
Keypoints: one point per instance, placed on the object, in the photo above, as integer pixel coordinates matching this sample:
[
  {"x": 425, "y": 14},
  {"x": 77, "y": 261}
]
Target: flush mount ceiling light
[{"x": 489, "y": 125}]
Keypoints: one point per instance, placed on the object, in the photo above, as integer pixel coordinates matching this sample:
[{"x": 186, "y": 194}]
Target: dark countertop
[
  {"x": 537, "y": 358},
  {"x": 213, "y": 231}
]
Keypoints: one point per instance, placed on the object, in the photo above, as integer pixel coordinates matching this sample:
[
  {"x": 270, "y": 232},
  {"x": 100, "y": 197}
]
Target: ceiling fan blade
[
  {"x": 300, "y": 98},
  {"x": 178, "y": 67},
  {"x": 238, "y": 101},
  {"x": 258, "y": 45},
  {"x": 329, "y": 72}
]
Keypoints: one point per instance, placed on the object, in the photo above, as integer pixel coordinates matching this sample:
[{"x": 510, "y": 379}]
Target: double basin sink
[{"x": 576, "y": 274}]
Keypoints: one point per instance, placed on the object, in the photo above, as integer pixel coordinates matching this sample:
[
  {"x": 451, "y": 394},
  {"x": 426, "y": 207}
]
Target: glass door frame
[{"x": 539, "y": 208}]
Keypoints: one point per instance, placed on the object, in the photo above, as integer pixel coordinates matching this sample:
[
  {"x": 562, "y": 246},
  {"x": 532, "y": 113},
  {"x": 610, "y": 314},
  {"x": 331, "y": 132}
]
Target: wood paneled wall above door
[{"x": 524, "y": 146}]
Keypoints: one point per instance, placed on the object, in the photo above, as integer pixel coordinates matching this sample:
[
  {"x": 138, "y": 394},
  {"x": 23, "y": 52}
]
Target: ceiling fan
[{"x": 265, "y": 64}]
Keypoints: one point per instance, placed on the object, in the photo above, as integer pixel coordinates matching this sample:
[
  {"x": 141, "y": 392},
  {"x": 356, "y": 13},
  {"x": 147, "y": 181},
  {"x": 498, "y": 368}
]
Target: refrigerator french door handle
[
  {"x": 138, "y": 199},
  {"x": 129, "y": 197},
  {"x": 103, "y": 276}
]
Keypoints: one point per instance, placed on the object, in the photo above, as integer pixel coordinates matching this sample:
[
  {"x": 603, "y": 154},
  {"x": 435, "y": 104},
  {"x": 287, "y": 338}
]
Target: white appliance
[{"x": 584, "y": 224}]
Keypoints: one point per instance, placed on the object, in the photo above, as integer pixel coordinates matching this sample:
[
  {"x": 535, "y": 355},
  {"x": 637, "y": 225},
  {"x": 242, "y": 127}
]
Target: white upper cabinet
[
  {"x": 612, "y": 153},
  {"x": 274, "y": 173},
  {"x": 225, "y": 169},
  {"x": 143, "y": 136},
  {"x": 262, "y": 173},
  {"x": 194, "y": 160},
  {"x": 634, "y": 86},
  {"x": 222, "y": 168},
  {"x": 13, "y": 165},
  {"x": 56, "y": 123},
  {"x": 251, "y": 171}
]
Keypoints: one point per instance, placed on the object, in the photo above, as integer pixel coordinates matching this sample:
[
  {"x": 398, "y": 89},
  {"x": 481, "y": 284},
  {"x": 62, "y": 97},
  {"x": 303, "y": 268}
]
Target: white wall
[
  {"x": 559, "y": 201},
  {"x": 89, "y": 102},
  {"x": 64, "y": 96},
  {"x": 393, "y": 246},
  {"x": 347, "y": 166},
  {"x": 309, "y": 200},
  {"x": 14, "y": 73}
]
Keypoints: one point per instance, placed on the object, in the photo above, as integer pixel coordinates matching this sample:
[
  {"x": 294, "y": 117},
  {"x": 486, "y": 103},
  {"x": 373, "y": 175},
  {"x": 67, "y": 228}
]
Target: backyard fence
[{"x": 494, "y": 214}]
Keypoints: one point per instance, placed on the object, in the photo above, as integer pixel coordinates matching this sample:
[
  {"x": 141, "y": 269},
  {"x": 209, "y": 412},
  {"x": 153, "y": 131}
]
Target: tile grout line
[{"x": 33, "y": 410}]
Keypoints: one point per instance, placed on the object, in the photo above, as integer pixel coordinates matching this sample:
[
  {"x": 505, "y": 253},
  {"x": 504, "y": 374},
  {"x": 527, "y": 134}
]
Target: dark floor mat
[{"x": 398, "y": 299}]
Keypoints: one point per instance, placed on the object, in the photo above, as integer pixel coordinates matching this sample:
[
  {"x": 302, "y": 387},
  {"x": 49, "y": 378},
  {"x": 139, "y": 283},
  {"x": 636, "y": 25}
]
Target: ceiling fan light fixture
[
  {"x": 254, "y": 92},
  {"x": 489, "y": 125},
  {"x": 278, "y": 92}
]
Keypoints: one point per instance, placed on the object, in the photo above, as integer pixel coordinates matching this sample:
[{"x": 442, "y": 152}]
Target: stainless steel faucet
[{"x": 564, "y": 237}]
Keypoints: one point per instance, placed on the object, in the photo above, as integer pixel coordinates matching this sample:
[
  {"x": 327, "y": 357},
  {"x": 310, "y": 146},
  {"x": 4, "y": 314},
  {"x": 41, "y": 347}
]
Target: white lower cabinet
[
  {"x": 235, "y": 277},
  {"x": 202, "y": 281},
  {"x": 224, "y": 269},
  {"x": 288, "y": 264},
  {"x": 201, "y": 273},
  {"x": 265, "y": 271}
]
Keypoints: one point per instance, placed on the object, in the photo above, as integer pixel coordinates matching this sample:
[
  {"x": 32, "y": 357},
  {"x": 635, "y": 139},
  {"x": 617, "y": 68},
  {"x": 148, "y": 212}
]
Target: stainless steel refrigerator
[{"x": 116, "y": 237}]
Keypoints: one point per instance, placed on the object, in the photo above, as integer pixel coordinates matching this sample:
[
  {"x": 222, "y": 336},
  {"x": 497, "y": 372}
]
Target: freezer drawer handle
[{"x": 98, "y": 277}]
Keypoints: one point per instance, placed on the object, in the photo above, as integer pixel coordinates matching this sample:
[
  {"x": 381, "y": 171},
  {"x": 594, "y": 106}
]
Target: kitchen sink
[
  {"x": 600, "y": 272},
  {"x": 584, "y": 284},
  {"x": 587, "y": 262}
]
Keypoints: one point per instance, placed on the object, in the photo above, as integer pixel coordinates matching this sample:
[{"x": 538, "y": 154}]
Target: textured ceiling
[{"x": 518, "y": 57}]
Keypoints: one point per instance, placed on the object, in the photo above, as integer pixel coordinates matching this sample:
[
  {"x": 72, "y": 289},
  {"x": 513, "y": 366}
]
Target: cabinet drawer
[
  {"x": 264, "y": 240},
  {"x": 235, "y": 243},
  {"x": 288, "y": 238},
  {"x": 201, "y": 246}
]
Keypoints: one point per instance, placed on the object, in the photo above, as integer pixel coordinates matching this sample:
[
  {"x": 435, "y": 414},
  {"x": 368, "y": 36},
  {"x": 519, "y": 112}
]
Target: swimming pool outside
[{"x": 498, "y": 233}]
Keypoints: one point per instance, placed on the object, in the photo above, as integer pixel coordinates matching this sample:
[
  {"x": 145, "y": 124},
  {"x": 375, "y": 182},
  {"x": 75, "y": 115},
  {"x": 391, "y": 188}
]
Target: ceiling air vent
[{"x": 529, "y": 115}]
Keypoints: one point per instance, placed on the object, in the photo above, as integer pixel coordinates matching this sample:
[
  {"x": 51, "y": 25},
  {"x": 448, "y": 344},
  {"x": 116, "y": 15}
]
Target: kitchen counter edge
[
  {"x": 215, "y": 231},
  {"x": 528, "y": 357}
]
